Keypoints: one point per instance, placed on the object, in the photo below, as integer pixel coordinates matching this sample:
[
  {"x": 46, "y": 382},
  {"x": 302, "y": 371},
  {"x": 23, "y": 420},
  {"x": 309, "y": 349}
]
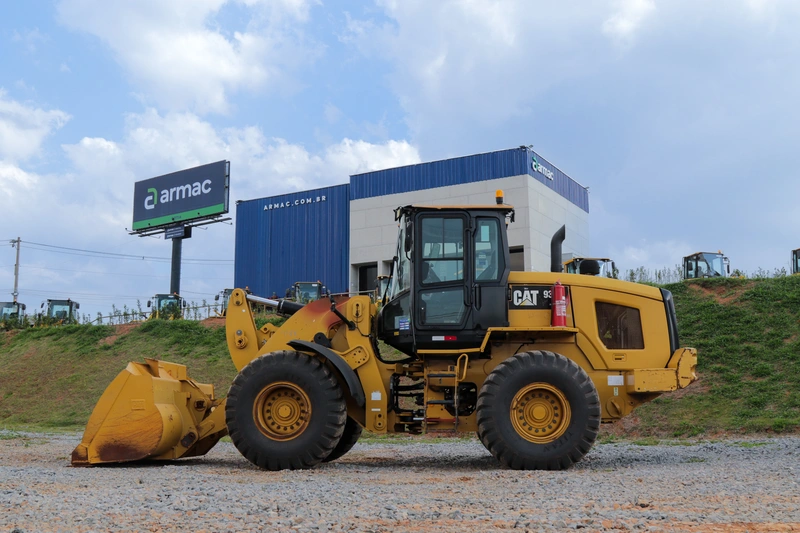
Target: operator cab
[
  {"x": 796, "y": 261},
  {"x": 11, "y": 311},
  {"x": 61, "y": 310},
  {"x": 592, "y": 266},
  {"x": 450, "y": 277},
  {"x": 706, "y": 265},
  {"x": 168, "y": 306}
]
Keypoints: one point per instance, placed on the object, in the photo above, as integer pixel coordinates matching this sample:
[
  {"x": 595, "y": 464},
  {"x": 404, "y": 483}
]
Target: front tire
[
  {"x": 538, "y": 411},
  {"x": 285, "y": 410}
]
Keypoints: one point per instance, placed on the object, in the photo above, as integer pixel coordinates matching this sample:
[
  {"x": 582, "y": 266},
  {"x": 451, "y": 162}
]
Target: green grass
[
  {"x": 747, "y": 333},
  {"x": 51, "y": 378}
]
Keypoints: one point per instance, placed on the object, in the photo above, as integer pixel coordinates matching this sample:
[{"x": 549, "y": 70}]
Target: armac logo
[
  {"x": 172, "y": 194},
  {"x": 536, "y": 166}
]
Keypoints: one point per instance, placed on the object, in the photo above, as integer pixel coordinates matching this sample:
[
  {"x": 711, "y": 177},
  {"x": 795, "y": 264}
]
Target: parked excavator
[
  {"x": 706, "y": 265},
  {"x": 485, "y": 350}
]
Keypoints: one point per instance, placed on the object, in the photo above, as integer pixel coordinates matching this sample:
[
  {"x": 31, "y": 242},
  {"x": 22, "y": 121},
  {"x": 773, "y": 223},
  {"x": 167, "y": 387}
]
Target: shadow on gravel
[{"x": 427, "y": 463}]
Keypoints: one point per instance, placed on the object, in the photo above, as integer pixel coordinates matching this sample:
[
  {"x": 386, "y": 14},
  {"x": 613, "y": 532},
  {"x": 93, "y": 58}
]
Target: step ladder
[{"x": 450, "y": 379}]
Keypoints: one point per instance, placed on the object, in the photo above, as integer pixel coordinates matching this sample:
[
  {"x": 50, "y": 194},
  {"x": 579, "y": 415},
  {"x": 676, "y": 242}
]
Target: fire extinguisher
[{"x": 559, "y": 312}]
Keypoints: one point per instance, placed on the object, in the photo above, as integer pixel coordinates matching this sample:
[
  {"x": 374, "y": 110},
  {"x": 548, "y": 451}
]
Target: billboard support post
[{"x": 175, "y": 274}]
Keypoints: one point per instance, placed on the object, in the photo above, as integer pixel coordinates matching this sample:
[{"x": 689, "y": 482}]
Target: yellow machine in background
[
  {"x": 593, "y": 266},
  {"x": 306, "y": 291},
  {"x": 485, "y": 350},
  {"x": 706, "y": 265},
  {"x": 225, "y": 296},
  {"x": 166, "y": 307}
]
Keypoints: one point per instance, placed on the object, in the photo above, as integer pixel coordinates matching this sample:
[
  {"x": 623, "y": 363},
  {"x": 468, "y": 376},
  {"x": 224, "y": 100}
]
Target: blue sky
[{"x": 680, "y": 116}]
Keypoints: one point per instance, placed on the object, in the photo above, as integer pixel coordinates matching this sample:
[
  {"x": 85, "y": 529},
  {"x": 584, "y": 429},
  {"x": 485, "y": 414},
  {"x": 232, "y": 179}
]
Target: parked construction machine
[
  {"x": 306, "y": 291},
  {"x": 532, "y": 362},
  {"x": 706, "y": 265},
  {"x": 59, "y": 311},
  {"x": 223, "y": 295},
  {"x": 11, "y": 311},
  {"x": 796, "y": 261},
  {"x": 593, "y": 266},
  {"x": 166, "y": 306}
]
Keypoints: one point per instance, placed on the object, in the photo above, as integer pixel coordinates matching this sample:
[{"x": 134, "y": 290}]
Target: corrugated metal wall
[
  {"x": 468, "y": 169},
  {"x": 302, "y": 236}
]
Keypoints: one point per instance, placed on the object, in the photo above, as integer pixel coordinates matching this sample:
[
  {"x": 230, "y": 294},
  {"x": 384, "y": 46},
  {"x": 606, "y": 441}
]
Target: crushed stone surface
[{"x": 415, "y": 485}]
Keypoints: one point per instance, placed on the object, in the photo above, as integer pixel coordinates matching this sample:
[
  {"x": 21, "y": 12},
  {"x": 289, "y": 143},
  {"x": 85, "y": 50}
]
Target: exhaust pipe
[{"x": 556, "y": 265}]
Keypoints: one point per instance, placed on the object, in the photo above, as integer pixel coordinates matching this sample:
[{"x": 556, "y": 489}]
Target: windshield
[
  {"x": 710, "y": 265},
  {"x": 59, "y": 310},
  {"x": 7, "y": 309},
  {"x": 307, "y": 292},
  {"x": 168, "y": 302},
  {"x": 401, "y": 275}
]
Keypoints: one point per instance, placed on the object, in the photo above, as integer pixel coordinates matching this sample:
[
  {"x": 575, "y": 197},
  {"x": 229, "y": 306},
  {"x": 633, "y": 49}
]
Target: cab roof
[{"x": 406, "y": 209}]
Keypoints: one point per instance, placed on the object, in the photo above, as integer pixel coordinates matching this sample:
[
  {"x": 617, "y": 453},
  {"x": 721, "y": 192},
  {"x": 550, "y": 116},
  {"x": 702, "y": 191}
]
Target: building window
[
  {"x": 619, "y": 327},
  {"x": 517, "y": 258}
]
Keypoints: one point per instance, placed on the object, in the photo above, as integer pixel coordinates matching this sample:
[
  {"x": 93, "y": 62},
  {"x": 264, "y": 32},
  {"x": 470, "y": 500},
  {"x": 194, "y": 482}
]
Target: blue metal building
[
  {"x": 301, "y": 236},
  {"x": 344, "y": 235}
]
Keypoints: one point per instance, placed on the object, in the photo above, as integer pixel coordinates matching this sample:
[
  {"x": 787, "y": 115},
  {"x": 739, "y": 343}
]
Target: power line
[
  {"x": 162, "y": 276},
  {"x": 94, "y": 253}
]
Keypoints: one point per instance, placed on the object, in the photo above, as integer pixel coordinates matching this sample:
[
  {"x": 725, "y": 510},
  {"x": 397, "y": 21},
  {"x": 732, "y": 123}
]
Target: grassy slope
[
  {"x": 747, "y": 334},
  {"x": 54, "y": 376}
]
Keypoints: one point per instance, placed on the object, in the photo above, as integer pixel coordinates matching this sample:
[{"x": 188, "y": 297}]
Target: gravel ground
[{"x": 421, "y": 485}]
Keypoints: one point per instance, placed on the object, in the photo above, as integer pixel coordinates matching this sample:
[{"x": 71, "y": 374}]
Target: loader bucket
[{"x": 151, "y": 410}]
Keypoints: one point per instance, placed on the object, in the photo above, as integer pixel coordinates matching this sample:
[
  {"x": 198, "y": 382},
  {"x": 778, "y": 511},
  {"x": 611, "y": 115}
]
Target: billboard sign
[{"x": 190, "y": 194}]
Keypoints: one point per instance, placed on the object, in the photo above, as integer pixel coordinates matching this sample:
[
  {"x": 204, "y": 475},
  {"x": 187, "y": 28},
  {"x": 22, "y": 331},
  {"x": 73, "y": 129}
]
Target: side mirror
[
  {"x": 729, "y": 269},
  {"x": 216, "y": 297},
  {"x": 183, "y": 303},
  {"x": 77, "y": 305},
  {"x": 149, "y": 303},
  {"x": 409, "y": 241},
  {"x": 41, "y": 306},
  {"x": 23, "y": 307}
]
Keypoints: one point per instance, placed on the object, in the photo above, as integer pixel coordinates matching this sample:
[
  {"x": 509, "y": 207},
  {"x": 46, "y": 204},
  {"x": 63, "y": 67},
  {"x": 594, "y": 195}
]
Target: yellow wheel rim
[
  {"x": 282, "y": 411},
  {"x": 540, "y": 413}
]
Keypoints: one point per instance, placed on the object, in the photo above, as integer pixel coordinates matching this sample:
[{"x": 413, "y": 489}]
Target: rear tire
[
  {"x": 285, "y": 410},
  {"x": 352, "y": 432},
  {"x": 538, "y": 411}
]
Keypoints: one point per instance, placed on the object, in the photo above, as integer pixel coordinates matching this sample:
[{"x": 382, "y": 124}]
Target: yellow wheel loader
[{"x": 531, "y": 362}]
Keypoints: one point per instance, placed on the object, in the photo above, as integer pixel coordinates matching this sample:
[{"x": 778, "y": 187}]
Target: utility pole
[{"x": 16, "y": 270}]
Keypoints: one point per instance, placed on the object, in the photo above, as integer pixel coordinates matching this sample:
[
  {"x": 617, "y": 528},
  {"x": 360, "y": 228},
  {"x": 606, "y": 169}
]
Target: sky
[{"x": 680, "y": 116}]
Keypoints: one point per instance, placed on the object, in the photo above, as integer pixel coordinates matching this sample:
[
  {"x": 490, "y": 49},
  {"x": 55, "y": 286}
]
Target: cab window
[
  {"x": 619, "y": 327},
  {"x": 442, "y": 250},
  {"x": 488, "y": 265}
]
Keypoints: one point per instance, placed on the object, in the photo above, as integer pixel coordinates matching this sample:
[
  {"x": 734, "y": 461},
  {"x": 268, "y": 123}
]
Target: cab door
[{"x": 461, "y": 272}]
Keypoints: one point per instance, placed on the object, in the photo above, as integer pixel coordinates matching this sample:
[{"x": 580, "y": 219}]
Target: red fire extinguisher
[{"x": 559, "y": 313}]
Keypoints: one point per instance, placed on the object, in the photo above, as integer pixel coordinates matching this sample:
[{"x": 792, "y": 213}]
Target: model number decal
[{"x": 531, "y": 297}]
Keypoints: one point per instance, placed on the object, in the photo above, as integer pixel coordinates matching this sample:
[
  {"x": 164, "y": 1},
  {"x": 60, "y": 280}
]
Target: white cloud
[
  {"x": 155, "y": 144},
  {"x": 626, "y": 21},
  {"x": 23, "y": 128},
  {"x": 182, "y": 59},
  {"x": 11, "y": 179}
]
